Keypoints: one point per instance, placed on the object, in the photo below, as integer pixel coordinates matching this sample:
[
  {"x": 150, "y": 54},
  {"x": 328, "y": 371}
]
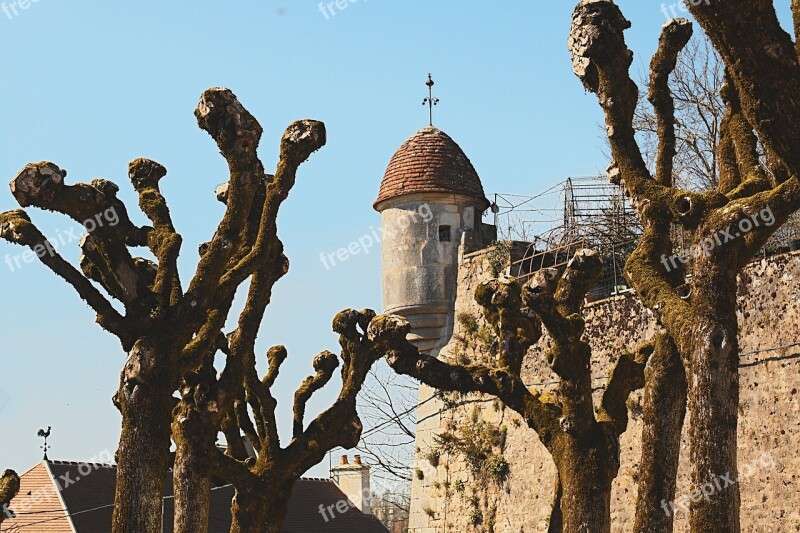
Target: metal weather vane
[
  {"x": 45, "y": 446},
  {"x": 430, "y": 101}
]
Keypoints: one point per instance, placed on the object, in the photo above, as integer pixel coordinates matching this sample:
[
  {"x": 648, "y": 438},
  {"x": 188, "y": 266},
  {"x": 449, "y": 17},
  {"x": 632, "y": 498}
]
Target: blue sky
[{"x": 92, "y": 85}]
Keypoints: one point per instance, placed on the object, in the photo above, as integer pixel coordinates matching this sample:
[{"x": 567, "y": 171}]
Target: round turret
[{"x": 431, "y": 200}]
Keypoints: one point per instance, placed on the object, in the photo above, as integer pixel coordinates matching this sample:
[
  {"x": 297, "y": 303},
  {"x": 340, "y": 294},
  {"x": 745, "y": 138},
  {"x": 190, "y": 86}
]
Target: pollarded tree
[
  {"x": 727, "y": 225},
  {"x": 583, "y": 441},
  {"x": 170, "y": 333},
  {"x": 263, "y": 484},
  {"x": 9, "y": 488}
]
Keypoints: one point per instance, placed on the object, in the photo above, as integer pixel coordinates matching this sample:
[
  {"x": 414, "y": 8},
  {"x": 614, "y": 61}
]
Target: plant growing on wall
[
  {"x": 477, "y": 338},
  {"x": 479, "y": 443},
  {"x": 498, "y": 257}
]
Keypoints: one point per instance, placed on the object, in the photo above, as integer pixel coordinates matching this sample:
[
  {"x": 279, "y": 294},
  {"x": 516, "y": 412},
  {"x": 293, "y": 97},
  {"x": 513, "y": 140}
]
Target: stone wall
[{"x": 448, "y": 495}]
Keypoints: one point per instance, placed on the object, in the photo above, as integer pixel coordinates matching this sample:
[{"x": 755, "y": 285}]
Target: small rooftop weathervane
[
  {"x": 45, "y": 446},
  {"x": 430, "y": 101}
]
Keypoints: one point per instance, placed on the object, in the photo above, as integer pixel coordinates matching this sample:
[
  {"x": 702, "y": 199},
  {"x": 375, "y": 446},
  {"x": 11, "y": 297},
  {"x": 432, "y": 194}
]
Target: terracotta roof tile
[
  {"x": 38, "y": 505},
  {"x": 430, "y": 161}
]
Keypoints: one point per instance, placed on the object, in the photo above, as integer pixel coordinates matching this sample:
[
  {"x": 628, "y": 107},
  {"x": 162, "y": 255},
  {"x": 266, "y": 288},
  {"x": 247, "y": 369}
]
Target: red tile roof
[
  {"x": 37, "y": 507},
  {"x": 430, "y": 161}
]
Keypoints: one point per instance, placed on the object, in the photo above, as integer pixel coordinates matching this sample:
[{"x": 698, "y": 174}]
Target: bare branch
[
  {"x": 324, "y": 365},
  {"x": 778, "y": 204},
  {"x": 237, "y": 134},
  {"x": 233, "y": 436},
  {"x": 42, "y": 185},
  {"x": 97, "y": 208},
  {"x": 275, "y": 356},
  {"x": 626, "y": 377},
  {"x": 16, "y": 227},
  {"x": 768, "y": 101},
  {"x": 262, "y": 401},
  {"x": 580, "y": 275},
  {"x": 389, "y": 334},
  {"x": 517, "y": 331},
  {"x": 246, "y": 425},
  {"x": 231, "y": 469},
  {"x": 601, "y": 60},
  {"x": 729, "y": 174},
  {"x": 339, "y": 425},
  {"x": 163, "y": 240},
  {"x": 299, "y": 141},
  {"x": 558, "y": 300},
  {"x": 674, "y": 37}
]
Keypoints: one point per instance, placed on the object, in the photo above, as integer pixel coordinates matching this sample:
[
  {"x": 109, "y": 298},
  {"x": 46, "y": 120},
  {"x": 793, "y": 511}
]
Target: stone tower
[{"x": 431, "y": 201}]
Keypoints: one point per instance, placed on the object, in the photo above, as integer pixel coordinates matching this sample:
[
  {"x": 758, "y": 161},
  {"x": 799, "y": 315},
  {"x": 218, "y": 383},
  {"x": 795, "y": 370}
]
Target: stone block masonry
[{"x": 446, "y": 496}]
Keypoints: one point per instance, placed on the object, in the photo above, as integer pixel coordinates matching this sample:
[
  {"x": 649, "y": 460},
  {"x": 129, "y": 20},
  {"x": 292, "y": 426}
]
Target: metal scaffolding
[
  {"x": 580, "y": 212},
  {"x": 589, "y": 212}
]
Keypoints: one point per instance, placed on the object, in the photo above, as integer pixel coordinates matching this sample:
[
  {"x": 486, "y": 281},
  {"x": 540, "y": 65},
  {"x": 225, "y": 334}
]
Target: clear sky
[{"x": 91, "y": 85}]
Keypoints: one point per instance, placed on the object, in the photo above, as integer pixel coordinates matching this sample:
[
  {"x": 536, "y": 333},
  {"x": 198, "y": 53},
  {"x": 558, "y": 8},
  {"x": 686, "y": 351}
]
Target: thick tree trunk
[
  {"x": 276, "y": 516},
  {"x": 586, "y": 473},
  {"x": 714, "y": 401},
  {"x": 664, "y": 412},
  {"x": 145, "y": 401},
  {"x": 261, "y": 511},
  {"x": 249, "y": 509},
  {"x": 586, "y": 502},
  {"x": 194, "y": 440},
  {"x": 142, "y": 463}
]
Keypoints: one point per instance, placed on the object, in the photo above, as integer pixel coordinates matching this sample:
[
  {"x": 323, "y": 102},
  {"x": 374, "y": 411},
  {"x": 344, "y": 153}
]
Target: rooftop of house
[{"x": 75, "y": 497}]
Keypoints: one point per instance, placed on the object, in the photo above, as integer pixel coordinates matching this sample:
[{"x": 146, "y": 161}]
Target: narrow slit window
[{"x": 444, "y": 233}]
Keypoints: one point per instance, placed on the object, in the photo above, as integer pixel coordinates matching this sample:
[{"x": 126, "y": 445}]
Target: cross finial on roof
[
  {"x": 44, "y": 434},
  {"x": 430, "y": 101}
]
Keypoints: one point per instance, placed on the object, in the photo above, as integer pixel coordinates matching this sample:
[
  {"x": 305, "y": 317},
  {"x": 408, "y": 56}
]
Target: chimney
[{"x": 353, "y": 480}]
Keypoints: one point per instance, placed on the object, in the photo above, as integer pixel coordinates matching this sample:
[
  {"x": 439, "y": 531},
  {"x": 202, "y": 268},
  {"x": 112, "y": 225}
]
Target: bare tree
[
  {"x": 388, "y": 405},
  {"x": 172, "y": 334},
  {"x": 263, "y": 485},
  {"x": 700, "y": 315},
  {"x": 583, "y": 441}
]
